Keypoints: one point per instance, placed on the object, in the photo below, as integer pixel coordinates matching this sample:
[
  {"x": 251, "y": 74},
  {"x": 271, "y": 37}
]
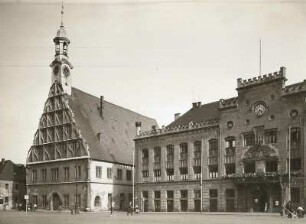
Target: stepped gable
[
  {"x": 228, "y": 103},
  {"x": 197, "y": 114},
  {"x": 280, "y": 75},
  {"x": 109, "y": 137},
  {"x": 294, "y": 88}
]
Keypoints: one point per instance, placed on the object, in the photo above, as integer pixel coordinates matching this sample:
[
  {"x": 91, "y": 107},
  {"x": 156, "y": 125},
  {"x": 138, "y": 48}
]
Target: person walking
[
  {"x": 112, "y": 208},
  {"x": 130, "y": 209}
]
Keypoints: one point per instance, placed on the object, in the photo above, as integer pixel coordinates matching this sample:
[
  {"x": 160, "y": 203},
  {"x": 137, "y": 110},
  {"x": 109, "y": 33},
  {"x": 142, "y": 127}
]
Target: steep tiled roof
[
  {"x": 198, "y": 114},
  {"x": 6, "y": 170},
  {"x": 117, "y": 127}
]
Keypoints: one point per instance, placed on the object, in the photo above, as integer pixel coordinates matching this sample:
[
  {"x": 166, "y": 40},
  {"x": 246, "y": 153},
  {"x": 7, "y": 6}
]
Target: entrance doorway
[
  {"x": 260, "y": 199},
  {"x": 56, "y": 201}
]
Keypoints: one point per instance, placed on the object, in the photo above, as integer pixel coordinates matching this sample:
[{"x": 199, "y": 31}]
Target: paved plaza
[{"x": 10, "y": 217}]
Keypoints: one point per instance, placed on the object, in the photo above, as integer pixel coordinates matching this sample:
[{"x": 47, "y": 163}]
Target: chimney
[
  {"x": 2, "y": 160},
  {"x": 154, "y": 127},
  {"x": 138, "y": 127},
  {"x": 176, "y": 116},
  {"x": 194, "y": 105},
  {"x": 283, "y": 71},
  {"x": 199, "y": 104},
  {"x": 101, "y": 106}
]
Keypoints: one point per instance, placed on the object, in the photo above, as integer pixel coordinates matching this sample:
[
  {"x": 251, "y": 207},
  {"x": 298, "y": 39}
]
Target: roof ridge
[{"x": 136, "y": 113}]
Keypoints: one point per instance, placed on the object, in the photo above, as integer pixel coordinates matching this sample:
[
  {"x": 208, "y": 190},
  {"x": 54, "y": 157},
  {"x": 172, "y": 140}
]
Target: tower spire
[
  {"x": 260, "y": 56},
  {"x": 62, "y": 14}
]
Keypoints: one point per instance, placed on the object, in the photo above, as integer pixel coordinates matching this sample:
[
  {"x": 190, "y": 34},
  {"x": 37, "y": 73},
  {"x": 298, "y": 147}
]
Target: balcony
[
  {"x": 183, "y": 163},
  {"x": 169, "y": 164},
  {"x": 268, "y": 177},
  {"x": 156, "y": 166},
  {"x": 196, "y": 162},
  {"x": 229, "y": 159},
  {"x": 213, "y": 160}
]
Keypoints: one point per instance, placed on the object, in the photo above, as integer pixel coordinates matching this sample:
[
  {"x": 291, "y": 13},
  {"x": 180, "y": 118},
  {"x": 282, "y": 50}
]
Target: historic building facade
[
  {"x": 229, "y": 155},
  {"x": 12, "y": 184},
  {"x": 82, "y": 150}
]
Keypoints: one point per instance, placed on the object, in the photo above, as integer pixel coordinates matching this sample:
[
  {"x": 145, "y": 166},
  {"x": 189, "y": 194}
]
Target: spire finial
[{"x": 62, "y": 14}]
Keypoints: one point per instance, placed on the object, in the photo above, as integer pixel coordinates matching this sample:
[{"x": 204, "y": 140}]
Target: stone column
[
  {"x": 163, "y": 163},
  {"x": 151, "y": 200},
  {"x": 163, "y": 200},
  {"x": 191, "y": 200},
  {"x": 176, "y": 200},
  {"x": 176, "y": 162}
]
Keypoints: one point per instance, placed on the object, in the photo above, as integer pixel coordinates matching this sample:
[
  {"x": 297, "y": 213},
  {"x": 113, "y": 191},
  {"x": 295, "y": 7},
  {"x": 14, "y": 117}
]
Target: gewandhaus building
[{"x": 231, "y": 155}]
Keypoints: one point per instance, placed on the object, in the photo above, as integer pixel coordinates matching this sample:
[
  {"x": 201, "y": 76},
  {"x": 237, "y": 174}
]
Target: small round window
[{"x": 230, "y": 124}]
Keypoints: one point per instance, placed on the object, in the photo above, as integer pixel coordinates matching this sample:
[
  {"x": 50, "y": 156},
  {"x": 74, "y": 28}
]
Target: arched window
[{"x": 97, "y": 201}]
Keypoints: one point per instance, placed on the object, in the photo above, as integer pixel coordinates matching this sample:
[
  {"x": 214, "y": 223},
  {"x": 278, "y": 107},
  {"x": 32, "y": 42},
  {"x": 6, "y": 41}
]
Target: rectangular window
[
  {"x": 157, "y": 155},
  {"x": 54, "y": 174},
  {"x": 249, "y": 167},
  {"x": 197, "y": 194},
  {"x": 6, "y": 186},
  {"x": 170, "y": 174},
  {"x": 6, "y": 200},
  {"x": 157, "y": 175},
  {"x": 44, "y": 201},
  {"x": 145, "y": 194},
  {"x": 34, "y": 175},
  {"x": 184, "y": 173},
  {"x": 271, "y": 166},
  {"x": 197, "y": 149},
  {"x": 169, "y": 194},
  {"x": 295, "y": 194},
  {"x": 66, "y": 173},
  {"x": 66, "y": 200},
  {"x": 44, "y": 174},
  {"x": 128, "y": 175},
  {"x": 249, "y": 139},
  {"x": 296, "y": 164},
  {"x": 98, "y": 172},
  {"x": 184, "y": 151},
  {"x": 270, "y": 136},
  {"x": 184, "y": 194},
  {"x": 295, "y": 137},
  {"x": 109, "y": 173},
  {"x": 157, "y": 194},
  {"x": 77, "y": 172},
  {"x": 213, "y": 147},
  {"x": 119, "y": 174},
  {"x": 230, "y": 168},
  {"x": 170, "y": 153},
  {"x": 145, "y": 156},
  {"x": 145, "y": 173},
  {"x": 1, "y": 201},
  {"x": 213, "y": 193},
  {"x": 230, "y": 142}
]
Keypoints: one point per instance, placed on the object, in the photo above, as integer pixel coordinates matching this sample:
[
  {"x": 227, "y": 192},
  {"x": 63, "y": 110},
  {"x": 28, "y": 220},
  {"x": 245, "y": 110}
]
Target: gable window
[
  {"x": 98, "y": 172},
  {"x": 128, "y": 175},
  {"x": 109, "y": 173},
  {"x": 119, "y": 174}
]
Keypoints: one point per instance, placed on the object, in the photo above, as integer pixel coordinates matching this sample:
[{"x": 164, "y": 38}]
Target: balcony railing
[
  {"x": 212, "y": 160},
  {"x": 169, "y": 164},
  {"x": 196, "y": 162},
  {"x": 229, "y": 159},
  {"x": 183, "y": 163}
]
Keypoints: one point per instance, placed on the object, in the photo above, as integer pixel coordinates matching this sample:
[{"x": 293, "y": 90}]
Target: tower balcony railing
[
  {"x": 213, "y": 160},
  {"x": 229, "y": 159}
]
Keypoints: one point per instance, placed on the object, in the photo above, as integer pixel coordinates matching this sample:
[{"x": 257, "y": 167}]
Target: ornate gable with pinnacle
[
  {"x": 260, "y": 152},
  {"x": 57, "y": 136}
]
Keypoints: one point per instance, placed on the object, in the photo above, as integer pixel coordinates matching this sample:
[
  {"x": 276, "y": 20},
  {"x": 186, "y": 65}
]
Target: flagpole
[
  {"x": 133, "y": 171},
  {"x": 201, "y": 184}
]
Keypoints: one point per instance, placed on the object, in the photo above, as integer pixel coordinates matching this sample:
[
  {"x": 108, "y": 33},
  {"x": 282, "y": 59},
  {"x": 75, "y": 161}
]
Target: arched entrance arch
[
  {"x": 97, "y": 203},
  {"x": 55, "y": 200}
]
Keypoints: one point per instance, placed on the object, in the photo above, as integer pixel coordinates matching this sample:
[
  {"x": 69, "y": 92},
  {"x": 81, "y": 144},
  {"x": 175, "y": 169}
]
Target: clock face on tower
[
  {"x": 259, "y": 109},
  {"x": 66, "y": 71}
]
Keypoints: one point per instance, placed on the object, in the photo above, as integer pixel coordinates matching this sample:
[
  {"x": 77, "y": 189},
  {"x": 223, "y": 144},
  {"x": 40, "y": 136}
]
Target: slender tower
[{"x": 61, "y": 66}]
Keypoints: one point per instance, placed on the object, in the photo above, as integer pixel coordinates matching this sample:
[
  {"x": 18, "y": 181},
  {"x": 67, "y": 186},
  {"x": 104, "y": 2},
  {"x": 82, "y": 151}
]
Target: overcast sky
[{"x": 153, "y": 57}]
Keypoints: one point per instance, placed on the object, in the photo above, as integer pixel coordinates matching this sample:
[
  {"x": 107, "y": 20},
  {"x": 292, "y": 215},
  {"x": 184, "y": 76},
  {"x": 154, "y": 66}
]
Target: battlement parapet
[
  {"x": 294, "y": 88},
  {"x": 261, "y": 79},
  {"x": 176, "y": 129},
  {"x": 228, "y": 103}
]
